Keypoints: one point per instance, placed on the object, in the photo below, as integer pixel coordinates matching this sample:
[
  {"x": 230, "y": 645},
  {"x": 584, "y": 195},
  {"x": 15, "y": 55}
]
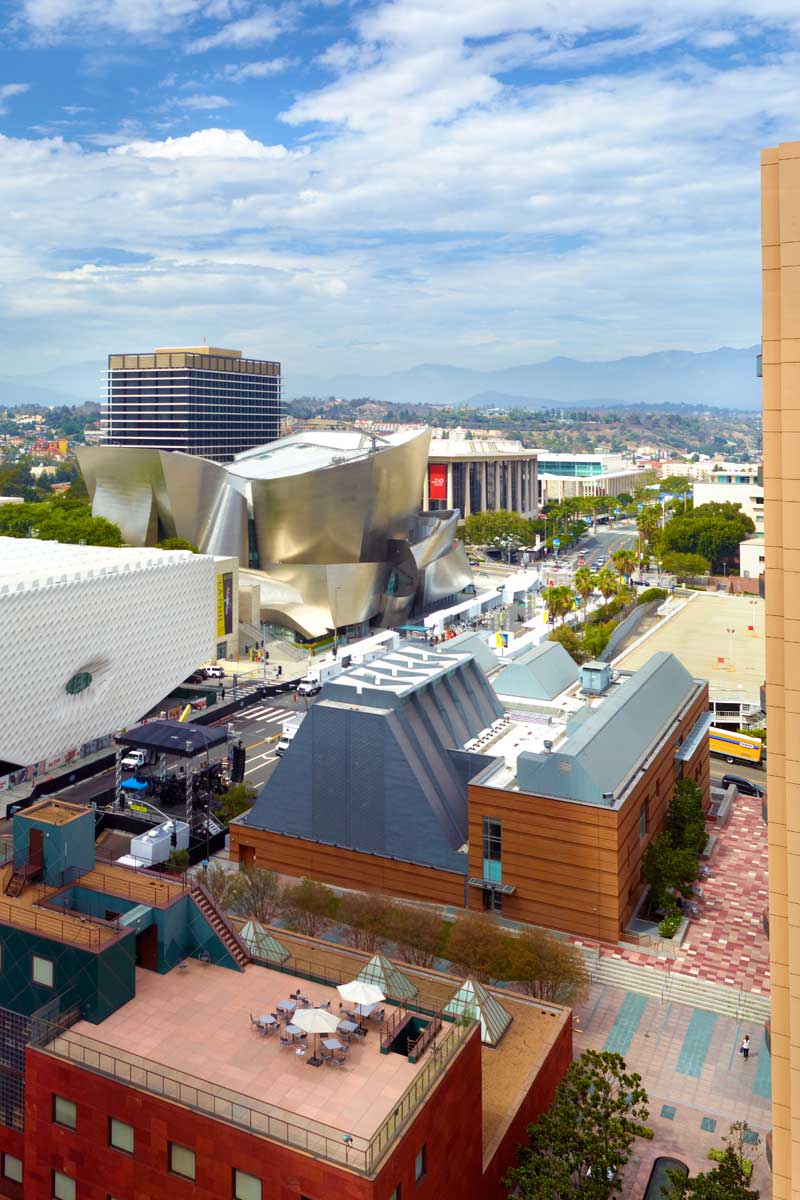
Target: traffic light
[
  {"x": 237, "y": 768},
  {"x": 173, "y": 837}
]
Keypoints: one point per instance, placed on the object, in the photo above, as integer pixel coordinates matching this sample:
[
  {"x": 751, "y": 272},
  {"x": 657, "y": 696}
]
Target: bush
[
  {"x": 547, "y": 967},
  {"x": 366, "y": 917},
  {"x": 255, "y": 893},
  {"x": 670, "y": 924},
  {"x": 419, "y": 933},
  {"x": 311, "y": 907},
  {"x": 177, "y": 862},
  {"x": 478, "y": 947},
  {"x": 652, "y": 593},
  {"x": 569, "y": 639},
  {"x": 597, "y": 637}
]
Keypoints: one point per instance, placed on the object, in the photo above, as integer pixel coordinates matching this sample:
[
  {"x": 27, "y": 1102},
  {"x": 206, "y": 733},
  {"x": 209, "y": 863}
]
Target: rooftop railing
[{"x": 324, "y": 1141}]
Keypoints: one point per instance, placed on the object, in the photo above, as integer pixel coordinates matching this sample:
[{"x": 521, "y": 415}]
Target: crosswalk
[{"x": 264, "y": 712}]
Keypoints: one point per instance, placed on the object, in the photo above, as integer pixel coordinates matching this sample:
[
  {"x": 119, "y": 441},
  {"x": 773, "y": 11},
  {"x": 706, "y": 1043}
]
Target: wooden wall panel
[{"x": 346, "y": 868}]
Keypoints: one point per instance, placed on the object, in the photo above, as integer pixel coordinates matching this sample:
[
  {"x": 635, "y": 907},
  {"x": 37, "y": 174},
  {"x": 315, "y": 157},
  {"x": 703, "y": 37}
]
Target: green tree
[
  {"x": 311, "y": 907},
  {"x": 729, "y": 1180},
  {"x": 478, "y": 946},
  {"x": 218, "y": 882},
  {"x": 481, "y": 529},
  {"x": 237, "y": 800},
  {"x": 585, "y": 1136},
  {"x": 596, "y": 638},
  {"x": 685, "y": 566},
  {"x": 255, "y": 893},
  {"x": 366, "y": 917},
  {"x": 558, "y": 601},
  {"x": 668, "y": 869},
  {"x": 713, "y": 531},
  {"x": 608, "y": 584},
  {"x": 686, "y": 818},
  {"x": 625, "y": 562},
  {"x": 571, "y": 642},
  {"x": 547, "y": 967},
  {"x": 648, "y": 522},
  {"x": 60, "y": 520},
  {"x": 419, "y": 933},
  {"x": 584, "y": 583},
  {"x": 176, "y": 543}
]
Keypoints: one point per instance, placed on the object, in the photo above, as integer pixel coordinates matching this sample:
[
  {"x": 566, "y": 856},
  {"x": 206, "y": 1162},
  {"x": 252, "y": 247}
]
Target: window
[
  {"x": 181, "y": 1161},
  {"x": 420, "y": 1165},
  {"x": 64, "y": 1112},
  {"x": 492, "y": 900},
  {"x": 245, "y": 1187},
  {"x": 12, "y": 1168},
  {"x": 120, "y": 1135},
  {"x": 63, "y": 1186},
  {"x": 42, "y": 970},
  {"x": 492, "y": 839},
  {"x": 643, "y": 821}
]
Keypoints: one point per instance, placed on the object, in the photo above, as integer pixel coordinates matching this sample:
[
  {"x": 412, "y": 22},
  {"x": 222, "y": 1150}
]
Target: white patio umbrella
[
  {"x": 316, "y": 1021},
  {"x": 358, "y": 992}
]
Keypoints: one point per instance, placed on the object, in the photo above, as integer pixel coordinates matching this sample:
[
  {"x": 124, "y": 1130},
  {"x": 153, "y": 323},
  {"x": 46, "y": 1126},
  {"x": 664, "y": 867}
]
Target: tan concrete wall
[{"x": 781, "y": 397}]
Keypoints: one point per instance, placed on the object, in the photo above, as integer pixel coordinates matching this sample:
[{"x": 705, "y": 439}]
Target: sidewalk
[
  {"x": 697, "y": 1081},
  {"x": 725, "y": 942}
]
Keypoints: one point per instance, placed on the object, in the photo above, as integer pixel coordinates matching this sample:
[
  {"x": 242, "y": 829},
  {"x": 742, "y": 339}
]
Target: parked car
[
  {"x": 475, "y": 562},
  {"x": 745, "y": 786},
  {"x": 214, "y": 672},
  {"x": 196, "y": 677},
  {"x": 133, "y": 760},
  {"x": 659, "y": 1186}
]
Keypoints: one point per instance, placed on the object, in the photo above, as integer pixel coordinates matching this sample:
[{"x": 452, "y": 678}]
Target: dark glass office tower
[{"x": 198, "y": 399}]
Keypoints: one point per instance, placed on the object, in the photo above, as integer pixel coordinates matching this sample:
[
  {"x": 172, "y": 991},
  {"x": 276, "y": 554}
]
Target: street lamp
[{"x": 730, "y": 632}]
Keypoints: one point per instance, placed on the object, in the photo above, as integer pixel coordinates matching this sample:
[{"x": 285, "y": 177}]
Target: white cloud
[
  {"x": 52, "y": 18},
  {"x": 8, "y": 90},
  {"x": 207, "y": 144},
  {"x": 239, "y": 72},
  {"x": 198, "y": 101},
  {"x": 262, "y": 26}
]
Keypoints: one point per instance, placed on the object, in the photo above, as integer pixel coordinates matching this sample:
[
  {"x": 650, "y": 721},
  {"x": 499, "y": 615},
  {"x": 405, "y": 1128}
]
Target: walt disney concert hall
[{"x": 328, "y": 524}]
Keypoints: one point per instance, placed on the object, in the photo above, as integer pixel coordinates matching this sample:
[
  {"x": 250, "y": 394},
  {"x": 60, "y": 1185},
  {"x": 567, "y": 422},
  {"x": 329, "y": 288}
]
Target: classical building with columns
[{"x": 481, "y": 475}]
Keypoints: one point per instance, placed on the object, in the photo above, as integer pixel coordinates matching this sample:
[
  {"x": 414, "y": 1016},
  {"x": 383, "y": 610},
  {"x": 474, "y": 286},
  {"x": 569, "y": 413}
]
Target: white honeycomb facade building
[{"x": 92, "y": 637}]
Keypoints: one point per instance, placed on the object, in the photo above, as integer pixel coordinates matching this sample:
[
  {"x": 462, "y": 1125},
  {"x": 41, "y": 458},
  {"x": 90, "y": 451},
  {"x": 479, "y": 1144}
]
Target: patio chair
[
  {"x": 337, "y": 1061},
  {"x": 326, "y": 1005},
  {"x": 326, "y": 1055},
  {"x": 285, "y": 1040},
  {"x": 379, "y": 1016},
  {"x": 254, "y": 1022}
]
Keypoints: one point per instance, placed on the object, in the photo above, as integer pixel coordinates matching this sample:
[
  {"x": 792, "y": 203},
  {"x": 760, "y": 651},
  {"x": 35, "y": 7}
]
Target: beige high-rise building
[{"x": 781, "y": 370}]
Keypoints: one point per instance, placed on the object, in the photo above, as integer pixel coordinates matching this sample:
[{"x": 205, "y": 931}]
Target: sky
[{"x": 365, "y": 186}]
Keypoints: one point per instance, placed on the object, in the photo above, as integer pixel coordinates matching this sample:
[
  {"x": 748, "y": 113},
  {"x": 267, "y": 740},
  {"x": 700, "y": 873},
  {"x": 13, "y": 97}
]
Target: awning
[
  {"x": 694, "y": 738},
  {"x": 490, "y": 885},
  {"x": 173, "y": 737},
  {"x": 133, "y": 785}
]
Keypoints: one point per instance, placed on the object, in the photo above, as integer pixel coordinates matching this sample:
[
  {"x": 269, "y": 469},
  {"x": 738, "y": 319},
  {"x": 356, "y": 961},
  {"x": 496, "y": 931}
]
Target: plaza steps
[
  {"x": 213, "y": 914},
  {"x": 671, "y": 986}
]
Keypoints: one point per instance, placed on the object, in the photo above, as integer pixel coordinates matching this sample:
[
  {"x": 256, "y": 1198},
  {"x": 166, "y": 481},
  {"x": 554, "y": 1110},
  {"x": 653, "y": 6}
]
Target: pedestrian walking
[{"x": 745, "y": 1047}]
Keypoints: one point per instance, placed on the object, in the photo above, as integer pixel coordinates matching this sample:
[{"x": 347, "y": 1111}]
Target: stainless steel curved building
[{"x": 327, "y": 524}]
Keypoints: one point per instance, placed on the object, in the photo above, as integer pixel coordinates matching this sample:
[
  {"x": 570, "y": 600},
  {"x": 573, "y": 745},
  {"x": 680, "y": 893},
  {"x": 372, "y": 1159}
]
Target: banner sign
[{"x": 437, "y": 481}]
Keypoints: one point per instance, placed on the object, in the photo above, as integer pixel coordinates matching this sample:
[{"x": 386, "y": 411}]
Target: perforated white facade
[{"x": 92, "y": 637}]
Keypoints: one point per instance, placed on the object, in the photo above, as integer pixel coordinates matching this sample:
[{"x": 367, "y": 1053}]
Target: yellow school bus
[{"x": 735, "y": 747}]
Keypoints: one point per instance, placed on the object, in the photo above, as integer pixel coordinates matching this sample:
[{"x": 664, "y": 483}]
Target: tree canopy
[
  {"x": 729, "y": 1180},
  {"x": 712, "y": 531},
  {"x": 176, "y": 543},
  {"x": 60, "y": 520},
  {"x": 580, "y": 1145},
  {"x": 481, "y": 529}
]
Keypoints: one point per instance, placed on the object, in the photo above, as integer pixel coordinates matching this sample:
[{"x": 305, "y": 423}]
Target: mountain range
[{"x": 724, "y": 378}]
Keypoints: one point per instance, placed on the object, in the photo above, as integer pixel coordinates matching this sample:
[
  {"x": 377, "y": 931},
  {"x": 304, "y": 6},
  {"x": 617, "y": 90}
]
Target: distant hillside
[{"x": 723, "y": 378}]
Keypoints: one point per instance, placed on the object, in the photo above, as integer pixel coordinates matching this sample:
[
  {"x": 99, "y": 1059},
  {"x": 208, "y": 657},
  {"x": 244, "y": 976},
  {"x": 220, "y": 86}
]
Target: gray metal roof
[
  {"x": 597, "y": 760},
  {"x": 471, "y": 643},
  {"x": 541, "y": 673}
]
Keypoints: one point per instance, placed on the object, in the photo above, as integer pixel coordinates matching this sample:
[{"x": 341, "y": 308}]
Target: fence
[{"x": 314, "y": 1137}]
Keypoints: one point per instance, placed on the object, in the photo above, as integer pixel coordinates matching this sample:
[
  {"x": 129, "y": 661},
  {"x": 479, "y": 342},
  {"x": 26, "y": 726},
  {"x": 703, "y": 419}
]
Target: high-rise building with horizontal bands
[
  {"x": 780, "y": 183},
  {"x": 201, "y": 400}
]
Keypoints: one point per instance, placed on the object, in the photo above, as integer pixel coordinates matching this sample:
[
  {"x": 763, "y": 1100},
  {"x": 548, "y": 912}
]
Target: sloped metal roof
[
  {"x": 474, "y": 1001},
  {"x": 541, "y": 673},
  {"x": 598, "y": 758}
]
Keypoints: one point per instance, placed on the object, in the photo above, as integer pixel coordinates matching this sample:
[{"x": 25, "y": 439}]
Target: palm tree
[
  {"x": 585, "y": 583},
  {"x": 558, "y": 601},
  {"x": 625, "y": 562},
  {"x": 608, "y": 584}
]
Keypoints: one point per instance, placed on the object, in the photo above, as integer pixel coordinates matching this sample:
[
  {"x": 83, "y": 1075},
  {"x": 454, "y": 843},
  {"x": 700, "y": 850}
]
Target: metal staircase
[{"x": 218, "y": 922}]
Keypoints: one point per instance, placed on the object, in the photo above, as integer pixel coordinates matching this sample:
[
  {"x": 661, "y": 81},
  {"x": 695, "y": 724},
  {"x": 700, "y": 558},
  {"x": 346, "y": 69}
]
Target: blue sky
[{"x": 360, "y": 187}]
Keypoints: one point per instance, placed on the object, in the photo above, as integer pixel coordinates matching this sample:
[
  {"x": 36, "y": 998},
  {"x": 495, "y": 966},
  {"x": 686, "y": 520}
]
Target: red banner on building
[{"x": 437, "y": 481}]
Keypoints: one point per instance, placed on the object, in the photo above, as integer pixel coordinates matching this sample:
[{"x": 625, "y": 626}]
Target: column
[
  {"x": 482, "y": 468},
  {"x": 449, "y": 503},
  {"x": 467, "y": 485},
  {"x": 518, "y": 472},
  {"x": 498, "y": 477},
  {"x": 426, "y": 500}
]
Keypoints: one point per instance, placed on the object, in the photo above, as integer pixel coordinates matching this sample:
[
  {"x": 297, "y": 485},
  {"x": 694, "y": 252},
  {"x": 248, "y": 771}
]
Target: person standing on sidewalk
[{"x": 745, "y": 1046}]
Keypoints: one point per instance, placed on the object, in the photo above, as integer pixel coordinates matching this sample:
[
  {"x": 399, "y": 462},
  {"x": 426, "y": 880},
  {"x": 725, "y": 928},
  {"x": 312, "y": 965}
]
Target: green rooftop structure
[
  {"x": 393, "y": 983},
  {"x": 262, "y": 944},
  {"x": 472, "y": 1000}
]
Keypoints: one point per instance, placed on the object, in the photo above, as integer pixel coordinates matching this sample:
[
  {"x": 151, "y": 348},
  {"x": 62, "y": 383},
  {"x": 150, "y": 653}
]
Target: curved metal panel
[
  {"x": 206, "y": 510},
  {"x": 127, "y": 487},
  {"x": 447, "y": 576}
]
